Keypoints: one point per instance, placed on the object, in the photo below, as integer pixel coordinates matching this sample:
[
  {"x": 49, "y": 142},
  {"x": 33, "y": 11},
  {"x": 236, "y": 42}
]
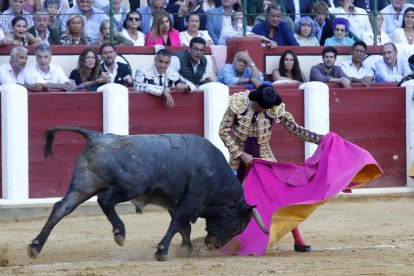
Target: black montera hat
[{"x": 266, "y": 96}]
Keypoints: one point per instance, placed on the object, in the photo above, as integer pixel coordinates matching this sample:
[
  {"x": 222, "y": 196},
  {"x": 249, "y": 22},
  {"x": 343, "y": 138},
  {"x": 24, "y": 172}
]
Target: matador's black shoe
[{"x": 302, "y": 248}]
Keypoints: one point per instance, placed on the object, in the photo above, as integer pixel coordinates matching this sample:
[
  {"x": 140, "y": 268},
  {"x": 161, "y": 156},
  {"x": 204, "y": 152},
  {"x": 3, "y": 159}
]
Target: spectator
[
  {"x": 41, "y": 29},
  {"x": 382, "y": 37},
  {"x": 105, "y": 35},
  {"x": 147, "y": 13},
  {"x": 391, "y": 68},
  {"x": 393, "y": 18},
  {"x": 369, "y": 5},
  {"x": 411, "y": 62},
  {"x": 323, "y": 23},
  {"x": 92, "y": 18},
  {"x": 120, "y": 13},
  {"x": 285, "y": 18},
  {"x": 186, "y": 8},
  {"x": 305, "y": 32},
  {"x": 162, "y": 32},
  {"x": 44, "y": 75},
  {"x": 87, "y": 74},
  {"x": 405, "y": 34},
  {"x": 242, "y": 71},
  {"x": 19, "y": 34},
  {"x": 296, "y": 9},
  {"x": 218, "y": 19},
  {"x": 357, "y": 17},
  {"x": 210, "y": 4},
  {"x": 118, "y": 72},
  {"x": 231, "y": 31},
  {"x": 54, "y": 8},
  {"x": 340, "y": 27},
  {"x": 15, "y": 9},
  {"x": 289, "y": 68},
  {"x": 13, "y": 71},
  {"x": 191, "y": 63},
  {"x": 132, "y": 28},
  {"x": 159, "y": 79},
  {"x": 355, "y": 68},
  {"x": 31, "y": 5},
  {"x": 327, "y": 71},
  {"x": 275, "y": 29},
  {"x": 193, "y": 24},
  {"x": 74, "y": 34}
]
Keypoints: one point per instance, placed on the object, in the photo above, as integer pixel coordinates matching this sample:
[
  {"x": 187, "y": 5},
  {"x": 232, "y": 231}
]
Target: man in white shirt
[
  {"x": 43, "y": 75},
  {"x": 355, "y": 68},
  {"x": 393, "y": 16},
  {"x": 391, "y": 68},
  {"x": 13, "y": 71}
]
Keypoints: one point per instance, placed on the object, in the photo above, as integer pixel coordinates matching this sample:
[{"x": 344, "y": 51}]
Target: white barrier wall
[
  {"x": 115, "y": 108},
  {"x": 409, "y": 109}
]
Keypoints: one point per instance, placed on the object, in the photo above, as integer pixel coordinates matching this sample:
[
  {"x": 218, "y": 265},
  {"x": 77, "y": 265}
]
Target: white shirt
[
  {"x": 391, "y": 22},
  {"x": 297, "y": 10},
  {"x": 139, "y": 42},
  {"x": 185, "y": 37},
  {"x": 358, "y": 22},
  {"x": 176, "y": 65},
  {"x": 351, "y": 71},
  {"x": 368, "y": 38},
  {"x": 114, "y": 72},
  {"x": 7, "y": 75},
  {"x": 55, "y": 75}
]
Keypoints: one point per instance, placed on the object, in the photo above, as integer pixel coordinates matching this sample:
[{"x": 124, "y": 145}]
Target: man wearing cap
[{"x": 250, "y": 117}]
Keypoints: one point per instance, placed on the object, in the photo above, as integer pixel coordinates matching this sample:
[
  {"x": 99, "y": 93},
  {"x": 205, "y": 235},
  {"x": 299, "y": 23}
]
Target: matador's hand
[{"x": 247, "y": 159}]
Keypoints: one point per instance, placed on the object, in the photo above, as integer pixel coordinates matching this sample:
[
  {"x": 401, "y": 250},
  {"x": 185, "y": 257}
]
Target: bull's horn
[{"x": 259, "y": 221}]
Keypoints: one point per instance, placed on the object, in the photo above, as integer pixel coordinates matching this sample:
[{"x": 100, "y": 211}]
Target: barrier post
[
  {"x": 316, "y": 98},
  {"x": 14, "y": 139},
  {"x": 409, "y": 128},
  {"x": 216, "y": 100},
  {"x": 115, "y": 108}
]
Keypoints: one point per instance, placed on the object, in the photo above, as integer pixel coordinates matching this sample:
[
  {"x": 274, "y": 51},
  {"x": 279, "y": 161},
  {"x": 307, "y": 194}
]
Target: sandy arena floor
[{"x": 369, "y": 236}]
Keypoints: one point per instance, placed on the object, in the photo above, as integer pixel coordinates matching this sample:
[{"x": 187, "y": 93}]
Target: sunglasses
[
  {"x": 340, "y": 30},
  {"x": 134, "y": 19}
]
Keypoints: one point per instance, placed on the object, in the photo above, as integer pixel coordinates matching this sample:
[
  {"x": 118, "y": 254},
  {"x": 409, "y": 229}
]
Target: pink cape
[{"x": 337, "y": 165}]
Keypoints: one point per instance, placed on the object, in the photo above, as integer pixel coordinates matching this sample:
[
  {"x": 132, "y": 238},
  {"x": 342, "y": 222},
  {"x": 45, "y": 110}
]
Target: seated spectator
[
  {"x": 391, "y": 68},
  {"x": 242, "y": 71},
  {"x": 405, "y": 34},
  {"x": 369, "y": 5},
  {"x": 275, "y": 29},
  {"x": 191, "y": 63},
  {"x": 120, "y": 13},
  {"x": 382, "y": 37},
  {"x": 87, "y": 74},
  {"x": 41, "y": 29},
  {"x": 355, "y": 68},
  {"x": 185, "y": 8},
  {"x": 148, "y": 13},
  {"x": 289, "y": 68},
  {"x": 392, "y": 16},
  {"x": 305, "y": 32},
  {"x": 31, "y": 5},
  {"x": 411, "y": 62},
  {"x": 210, "y": 4},
  {"x": 328, "y": 72},
  {"x": 231, "y": 30},
  {"x": 19, "y": 34},
  {"x": 159, "y": 79},
  {"x": 44, "y": 75},
  {"x": 323, "y": 24},
  {"x": 132, "y": 28},
  {"x": 162, "y": 32},
  {"x": 13, "y": 71},
  {"x": 118, "y": 72},
  {"x": 218, "y": 18},
  {"x": 357, "y": 17},
  {"x": 296, "y": 9},
  {"x": 15, "y": 9},
  {"x": 55, "y": 8},
  {"x": 340, "y": 27},
  {"x": 92, "y": 18},
  {"x": 105, "y": 35},
  {"x": 74, "y": 34},
  {"x": 285, "y": 18},
  {"x": 193, "y": 24}
]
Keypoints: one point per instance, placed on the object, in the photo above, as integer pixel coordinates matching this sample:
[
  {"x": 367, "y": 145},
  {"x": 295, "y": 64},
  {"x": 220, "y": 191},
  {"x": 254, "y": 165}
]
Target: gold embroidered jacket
[{"x": 236, "y": 126}]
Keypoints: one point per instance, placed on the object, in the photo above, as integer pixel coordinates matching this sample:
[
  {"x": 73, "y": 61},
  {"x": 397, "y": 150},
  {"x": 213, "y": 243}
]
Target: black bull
[{"x": 185, "y": 174}]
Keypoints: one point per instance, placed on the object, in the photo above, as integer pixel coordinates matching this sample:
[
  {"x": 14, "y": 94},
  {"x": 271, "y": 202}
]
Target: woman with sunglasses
[
  {"x": 132, "y": 28},
  {"x": 340, "y": 27}
]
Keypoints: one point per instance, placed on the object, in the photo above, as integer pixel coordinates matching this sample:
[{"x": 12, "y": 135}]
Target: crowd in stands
[{"x": 198, "y": 24}]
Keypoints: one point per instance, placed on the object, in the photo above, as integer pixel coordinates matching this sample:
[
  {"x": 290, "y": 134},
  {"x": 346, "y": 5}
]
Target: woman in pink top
[{"x": 162, "y": 32}]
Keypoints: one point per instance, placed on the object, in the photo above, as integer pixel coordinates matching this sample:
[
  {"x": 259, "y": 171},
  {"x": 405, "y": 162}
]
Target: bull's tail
[{"x": 50, "y": 136}]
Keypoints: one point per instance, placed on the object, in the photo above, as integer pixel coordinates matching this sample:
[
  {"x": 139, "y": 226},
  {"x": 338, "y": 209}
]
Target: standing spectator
[
  {"x": 193, "y": 24},
  {"x": 328, "y": 72},
  {"x": 118, "y": 72},
  {"x": 296, "y": 9},
  {"x": 41, "y": 29},
  {"x": 355, "y": 68},
  {"x": 15, "y": 9},
  {"x": 242, "y": 71},
  {"x": 289, "y": 68},
  {"x": 382, "y": 37},
  {"x": 19, "y": 34},
  {"x": 45, "y": 75},
  {"x": 323, "y": 23},
  {"x": 75, "y": 34},
  {"x": 393, "y": 18},
  {"x": 305, "y": 32},
  {"x": 275, "y": 29},
  {"x": 405, "y": 34},
  {"x": 132, "y": 28},
  {"x": 88, "y": 72},
  {"x": 148, "y": 13},
  {"x": 391, "y": 68},
  {"x": 218, "y": 19},
  {"x": 13, "y": 71},
  {"x": 159, "y": 79},
  {"x": 92, "y": 18},
  {"x": 120, "y": 13},
  {"x": 105, "y": 35},
  {"x": 162, "y": 32},
  {"x": 340, "y": 27}
]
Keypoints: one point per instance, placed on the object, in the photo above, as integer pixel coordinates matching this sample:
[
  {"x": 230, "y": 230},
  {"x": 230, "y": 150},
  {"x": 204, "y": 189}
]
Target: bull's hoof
[
  {"x": 187, "y": 246},
  {"x": 161, "y": 257},
  {"x": 119, "y": 239},
  {"x": 32, "y": 250}
]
